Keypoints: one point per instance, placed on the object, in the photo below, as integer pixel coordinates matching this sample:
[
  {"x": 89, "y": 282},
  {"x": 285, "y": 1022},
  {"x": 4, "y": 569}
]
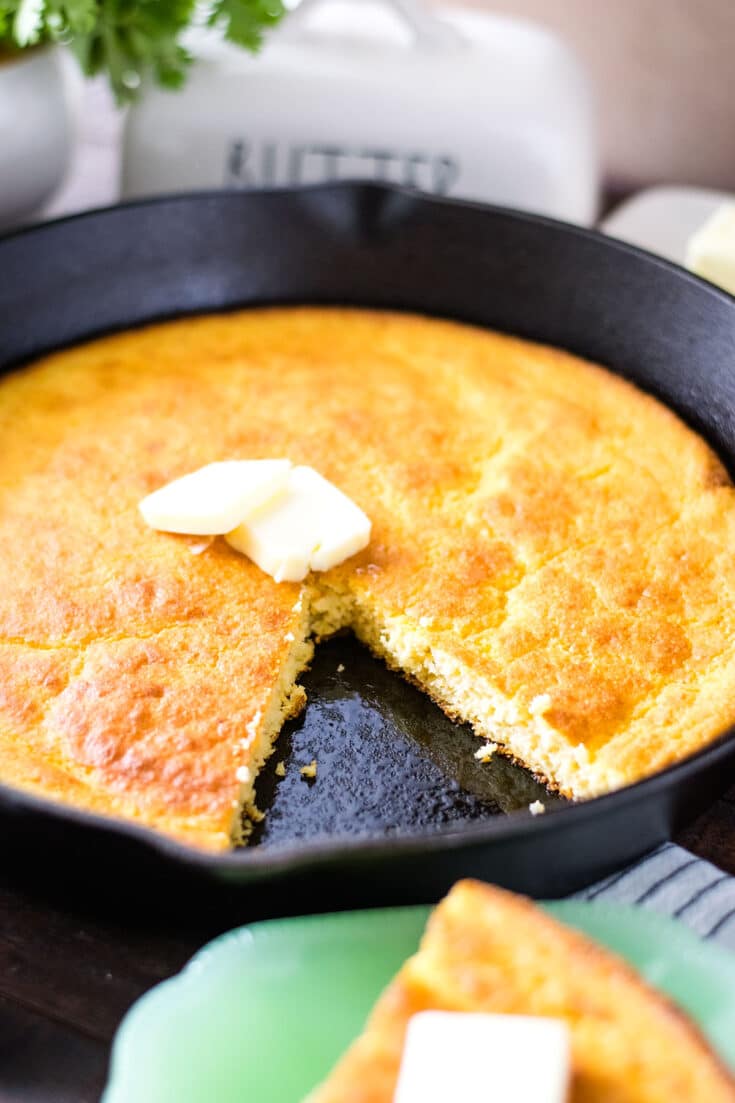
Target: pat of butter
[
  {"x": 477, "y": 1058},
  {"x": 711, "y": 250},
  {"x": 313, "y": 526},
  {"x": 216, "y": 498}
]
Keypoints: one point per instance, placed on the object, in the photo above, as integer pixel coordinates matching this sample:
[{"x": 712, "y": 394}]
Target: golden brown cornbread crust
[
  {"x": 551, "y": 556},
  {"x": 490, "y": 951}
]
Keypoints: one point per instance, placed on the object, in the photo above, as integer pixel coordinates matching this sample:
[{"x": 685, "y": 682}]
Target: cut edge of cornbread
[
  {"x": 521, "y": 734},
  {"x": 286, "y": 701}
]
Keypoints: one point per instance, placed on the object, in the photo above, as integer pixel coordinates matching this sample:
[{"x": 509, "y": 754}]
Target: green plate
[{"x": 263, "y": 1012}]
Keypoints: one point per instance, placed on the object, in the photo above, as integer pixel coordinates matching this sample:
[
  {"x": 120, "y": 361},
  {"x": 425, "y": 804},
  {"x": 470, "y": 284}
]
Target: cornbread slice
[
  {"x": 490, "y": 951},
  {"x": 551, "y": 557}
]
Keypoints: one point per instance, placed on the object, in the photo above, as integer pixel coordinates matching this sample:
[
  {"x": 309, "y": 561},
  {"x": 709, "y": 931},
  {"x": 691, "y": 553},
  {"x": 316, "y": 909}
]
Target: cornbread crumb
[
  {"x": 537, "y": 808},
  {"x": 486, "y": 752},
  {"x": 252, "y": 727},
  {"x": 581, "y": 755},
  {"x": 309, "y": 771},
  {"x": 540, "y": 704},
  {"x": 281, "y": 769},
  {"x": 197, "y": 549},
  {"x": 340, "y": 668}
]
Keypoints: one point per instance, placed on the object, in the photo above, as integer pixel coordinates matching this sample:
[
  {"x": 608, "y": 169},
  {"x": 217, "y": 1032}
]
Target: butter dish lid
[{"x": 467, "y": 104}]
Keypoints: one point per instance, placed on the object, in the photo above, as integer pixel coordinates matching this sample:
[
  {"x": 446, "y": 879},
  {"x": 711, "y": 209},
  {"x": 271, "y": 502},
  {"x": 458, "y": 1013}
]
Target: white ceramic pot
[{"x": 35, "y": 131}]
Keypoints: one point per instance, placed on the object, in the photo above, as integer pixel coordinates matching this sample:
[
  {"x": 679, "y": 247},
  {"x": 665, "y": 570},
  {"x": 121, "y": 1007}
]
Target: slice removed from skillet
[
  {"x": 488, "y": 951},
  {"x": 550, "y": 557}
]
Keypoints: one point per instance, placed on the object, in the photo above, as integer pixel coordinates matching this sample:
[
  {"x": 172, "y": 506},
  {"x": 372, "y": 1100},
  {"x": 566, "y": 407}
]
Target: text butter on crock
[
  {"x": 216, "y": 498},
  {"x": 478, "y": 1058},
  {"x": 312, "y": 526}
]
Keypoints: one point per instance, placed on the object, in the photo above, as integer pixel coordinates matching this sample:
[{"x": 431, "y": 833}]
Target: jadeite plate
[{"x": 263, "y": 1012}]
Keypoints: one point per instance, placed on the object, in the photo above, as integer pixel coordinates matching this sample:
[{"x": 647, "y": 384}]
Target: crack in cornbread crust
[
  {"x": 550, "y": 557},
  {"x": 485, "y": 950}
]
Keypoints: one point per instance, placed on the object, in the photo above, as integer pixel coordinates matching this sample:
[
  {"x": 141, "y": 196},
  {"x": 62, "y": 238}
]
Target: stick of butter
[
  {"x": 476, "y": 1058},
  {"x": 216, "y": 498},
  {"x": 711, "y": 250},
  {"x": 313, "y": 526}
]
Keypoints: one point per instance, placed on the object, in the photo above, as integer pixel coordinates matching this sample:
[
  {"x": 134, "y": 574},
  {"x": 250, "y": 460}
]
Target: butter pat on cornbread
[
  {"x": 216, "y": 498},
  {"x": 479, "y": 1058},
  {"x": 287, "y": 520},
  {"x": 711, "y": 250},
  {"x": 314, "y": 526}
]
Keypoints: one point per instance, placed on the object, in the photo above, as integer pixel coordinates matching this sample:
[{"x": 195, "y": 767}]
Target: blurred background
[
  {"x": 566, "y": 107},
  {"x": 664, "y": 81}
]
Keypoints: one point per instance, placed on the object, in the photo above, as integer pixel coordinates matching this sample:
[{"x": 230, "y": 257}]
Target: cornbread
[
  {"x": 551, "y": 557},
  {"x": 489, "y": 951}
]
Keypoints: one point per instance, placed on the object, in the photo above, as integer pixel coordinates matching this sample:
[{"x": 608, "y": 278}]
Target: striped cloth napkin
[{"x": 673, "y": 882}]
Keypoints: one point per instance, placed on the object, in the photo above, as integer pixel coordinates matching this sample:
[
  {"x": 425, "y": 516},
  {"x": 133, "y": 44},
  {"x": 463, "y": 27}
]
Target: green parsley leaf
[
  {"x": 131, "y": 40},
  {"x": 244, "y": 20}
]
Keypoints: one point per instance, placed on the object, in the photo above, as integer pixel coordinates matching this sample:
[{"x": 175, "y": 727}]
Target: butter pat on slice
[
  {"x": 216, "y": 498},
  {"x": 476, "y": 1058},
  {"x": 313, "y": 526},
  {"x": 711, "y": 250}
]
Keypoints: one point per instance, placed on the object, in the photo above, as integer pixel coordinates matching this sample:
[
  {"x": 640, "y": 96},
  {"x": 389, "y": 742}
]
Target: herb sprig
[{"x": 130, "y": 40}]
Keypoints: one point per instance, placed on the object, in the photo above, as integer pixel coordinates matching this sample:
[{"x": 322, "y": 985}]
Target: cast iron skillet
[{"x": 414, "y": 818}]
